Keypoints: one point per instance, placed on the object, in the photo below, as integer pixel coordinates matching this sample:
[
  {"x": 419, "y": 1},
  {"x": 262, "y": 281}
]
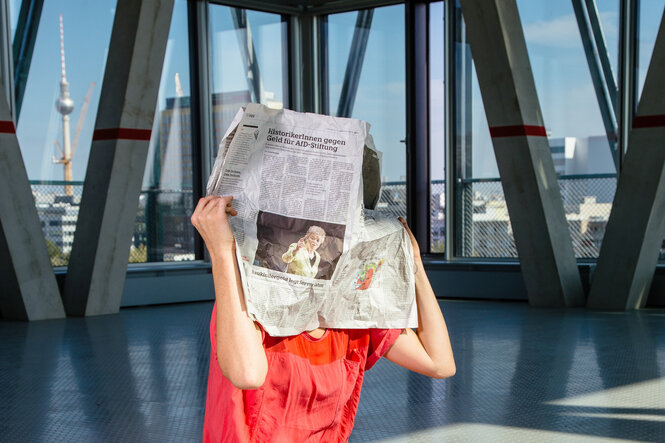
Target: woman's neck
[{"x": 317, "y": 333}]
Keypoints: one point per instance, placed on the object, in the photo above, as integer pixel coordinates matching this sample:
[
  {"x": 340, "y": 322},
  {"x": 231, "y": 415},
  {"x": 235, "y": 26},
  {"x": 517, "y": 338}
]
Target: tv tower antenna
[{"x": 65, "y": 106}]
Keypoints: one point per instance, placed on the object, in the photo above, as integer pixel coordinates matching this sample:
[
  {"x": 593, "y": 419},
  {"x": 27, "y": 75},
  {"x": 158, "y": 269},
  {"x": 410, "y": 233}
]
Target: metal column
[
  {"x": 600, "y": 68},
  {"x": 522, "y": 153},
  {"x": 98, "y": 261},
  {"x": 246, "y": 45},
  {"x": 634, "y": 232},
  {"x": 305, "y": 63},
  {"x": 417, "y": 122},
  {"x": 627, "y": 97},
  {"x": 203, "y": 147},
  {"x": 24, "y": 45},
  {"x": 354, "y": 64}
]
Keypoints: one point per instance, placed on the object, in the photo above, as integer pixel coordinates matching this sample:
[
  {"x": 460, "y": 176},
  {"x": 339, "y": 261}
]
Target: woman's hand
[{"x": 210, "y": 218}]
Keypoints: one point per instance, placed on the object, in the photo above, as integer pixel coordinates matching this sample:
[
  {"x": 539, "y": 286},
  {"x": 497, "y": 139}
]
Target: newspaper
[{"x": 310, "y": 254}]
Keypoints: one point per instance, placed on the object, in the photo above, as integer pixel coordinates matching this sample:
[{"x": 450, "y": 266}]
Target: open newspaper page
[{"x": 308, "y": 255}]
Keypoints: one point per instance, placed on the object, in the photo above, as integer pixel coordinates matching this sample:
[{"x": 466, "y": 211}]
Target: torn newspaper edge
[{"x": 310, "y": 254}]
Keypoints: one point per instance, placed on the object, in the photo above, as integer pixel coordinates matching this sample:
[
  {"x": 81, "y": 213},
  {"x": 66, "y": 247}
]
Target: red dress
[{"x": 311, "y": 391}]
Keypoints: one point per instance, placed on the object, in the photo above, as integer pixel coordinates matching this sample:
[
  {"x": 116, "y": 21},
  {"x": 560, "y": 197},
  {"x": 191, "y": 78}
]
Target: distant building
[
  {"x": 165, "y": 207},
  {"x": 57, "y": 215}
]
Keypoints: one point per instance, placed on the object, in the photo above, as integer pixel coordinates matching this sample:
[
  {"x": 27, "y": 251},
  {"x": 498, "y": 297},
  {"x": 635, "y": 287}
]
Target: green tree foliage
[{"x": 57, "y": 257}]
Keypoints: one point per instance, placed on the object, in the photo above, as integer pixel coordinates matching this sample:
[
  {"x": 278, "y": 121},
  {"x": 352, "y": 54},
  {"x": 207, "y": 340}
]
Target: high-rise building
[{"x": 164, "y": 210}]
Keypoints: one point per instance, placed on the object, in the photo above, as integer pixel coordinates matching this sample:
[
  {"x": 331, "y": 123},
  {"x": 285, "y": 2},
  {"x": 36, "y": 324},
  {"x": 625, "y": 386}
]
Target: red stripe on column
[
  {"x": 517, "y": 130},
  {"x": 7, "y": 127},
  {"x": 649, "y": 121},
  {"x": 121, "y": 134}
]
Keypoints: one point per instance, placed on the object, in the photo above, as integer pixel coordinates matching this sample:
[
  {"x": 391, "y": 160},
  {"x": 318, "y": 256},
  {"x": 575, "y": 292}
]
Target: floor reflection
[
  {"x": 528, "y": 373},
  {"x": 136, "y": 376},
  {"x": 523, "y": 374}
]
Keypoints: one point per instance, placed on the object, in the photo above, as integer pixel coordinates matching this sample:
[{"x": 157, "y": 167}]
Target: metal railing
[
  {"x": 483, "y": 225},
  {"x": 163, "y": 233}
]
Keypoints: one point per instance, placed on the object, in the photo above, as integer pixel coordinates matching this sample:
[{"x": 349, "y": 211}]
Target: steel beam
[
  {"x": 6, "y": 60},
  {"x": 418, "y": 187},
  {"x": 600, "y": 68},
  {"x": 634, "y": 232},
  {"x": 305, "y": 63},
  {"x": 522, "y": 153},
  {"x": 628, "y": 50},
  {"x": 24, "y": 45},
  {"x": 463, "y": 148},
  {"x": 354, "y": 64},
  {"x": 450, "y": 23},
  {"x": 246, "y": 44},
  {"x": 29, "y": 290},
  {"x": 98, "y": 262},
  {"x": 200, "y": 106}
]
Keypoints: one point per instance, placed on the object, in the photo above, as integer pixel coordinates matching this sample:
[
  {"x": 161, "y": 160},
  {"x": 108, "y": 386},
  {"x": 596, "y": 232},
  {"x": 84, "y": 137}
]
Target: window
[
  {"x": 436, "y": 127},
  {"x": 582, "y": 142},
  {"x": 247, "y": 63},
  {"x": 583, "y": 146},
  {"x": 372, "y": 42},
  {"x": 162, "y": 232},
  {"x": 650, "y": 15},
  {"x": 56, "y": 169}
]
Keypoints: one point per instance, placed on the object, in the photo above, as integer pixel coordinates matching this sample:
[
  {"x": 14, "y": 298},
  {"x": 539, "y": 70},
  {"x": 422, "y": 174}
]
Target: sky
[{"x": 560, "y": 71}]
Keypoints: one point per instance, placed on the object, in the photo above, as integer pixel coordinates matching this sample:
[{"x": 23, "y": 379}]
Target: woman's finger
[
  {"x": 216, "y": 202},
  {"x": 202, "y": 203}
]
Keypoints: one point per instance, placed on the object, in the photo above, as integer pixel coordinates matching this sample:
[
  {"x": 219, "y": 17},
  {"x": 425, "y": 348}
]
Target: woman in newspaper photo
[
  {"x": 304, "y": 387},
  {"x": 302, "y": 257}
]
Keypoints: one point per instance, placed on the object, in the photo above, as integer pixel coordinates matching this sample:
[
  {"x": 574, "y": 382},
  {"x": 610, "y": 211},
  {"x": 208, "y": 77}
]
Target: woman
[
  {"x": 305, "y": 387},
  {"x": 301, "y": 257}
]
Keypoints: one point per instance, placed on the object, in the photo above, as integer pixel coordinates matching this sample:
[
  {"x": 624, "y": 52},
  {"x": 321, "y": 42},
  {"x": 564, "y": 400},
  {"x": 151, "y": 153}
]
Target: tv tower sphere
[{"x": 64, "y": 104}]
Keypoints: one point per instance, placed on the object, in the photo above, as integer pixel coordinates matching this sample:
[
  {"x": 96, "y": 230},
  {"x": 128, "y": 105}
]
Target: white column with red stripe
[
  {"x": 522, "y": 153},
  {"x": 636, "y": 227},
  {"x": 98, "y": 261},
  {"x": 28, "y": 289}
]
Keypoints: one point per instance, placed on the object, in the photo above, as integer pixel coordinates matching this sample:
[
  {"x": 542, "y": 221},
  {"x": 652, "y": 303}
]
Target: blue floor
[{"x": 523, "y": 374}]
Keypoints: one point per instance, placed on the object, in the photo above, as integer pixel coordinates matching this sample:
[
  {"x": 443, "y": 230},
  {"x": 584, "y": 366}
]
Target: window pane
[
  {"x": 381, "y": 95},
  {"x": 14, "y": 8},
  {"x": 578, "y": 138},
  {"x": 481, "y": 219},
  {"x": 48, "y": 159},
  {"x": 650, "y": 15},
  {"x": 163, "y": 232},
  {"x": 247, "y": 63},
  {"x": 436, "y": 135},
  {"x": 583, "y": 152}
]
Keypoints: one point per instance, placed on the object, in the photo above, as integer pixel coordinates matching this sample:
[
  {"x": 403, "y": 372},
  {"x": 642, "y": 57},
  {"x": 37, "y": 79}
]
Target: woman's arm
[
  {"x": 240, "y": 352},
  {"x": 427, "y": 351}
]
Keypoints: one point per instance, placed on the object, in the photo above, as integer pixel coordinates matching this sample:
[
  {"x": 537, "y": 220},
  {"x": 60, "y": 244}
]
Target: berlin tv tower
[{"x": 65, "y": 106}]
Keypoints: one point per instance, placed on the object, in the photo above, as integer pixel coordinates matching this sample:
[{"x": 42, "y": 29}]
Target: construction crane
[{"x": 84, "y": 111}]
